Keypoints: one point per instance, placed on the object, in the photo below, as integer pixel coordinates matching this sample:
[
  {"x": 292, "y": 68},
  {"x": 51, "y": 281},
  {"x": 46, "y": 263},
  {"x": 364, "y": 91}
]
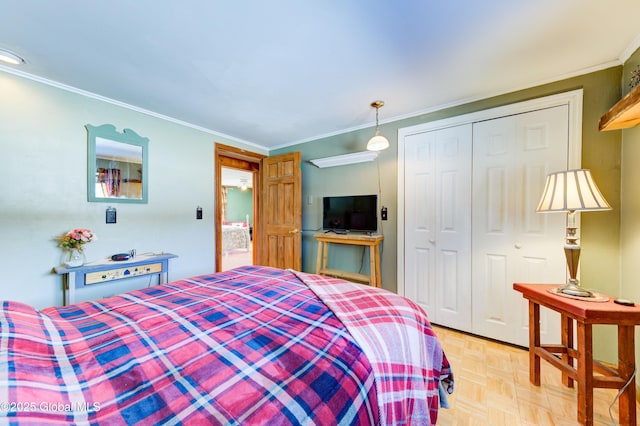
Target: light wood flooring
[{"x": 492, "y": 387}]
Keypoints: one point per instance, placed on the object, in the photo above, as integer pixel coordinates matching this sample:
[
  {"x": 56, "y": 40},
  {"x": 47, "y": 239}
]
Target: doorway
[{"x": 237, "y": 175}]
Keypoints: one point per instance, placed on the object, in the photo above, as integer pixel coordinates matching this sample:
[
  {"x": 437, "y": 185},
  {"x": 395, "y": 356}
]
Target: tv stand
[{"x": 372, "y": 241}]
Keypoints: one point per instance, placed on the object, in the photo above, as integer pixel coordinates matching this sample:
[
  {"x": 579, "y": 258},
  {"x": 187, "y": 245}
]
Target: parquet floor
[{"x": 492, "y": 388}]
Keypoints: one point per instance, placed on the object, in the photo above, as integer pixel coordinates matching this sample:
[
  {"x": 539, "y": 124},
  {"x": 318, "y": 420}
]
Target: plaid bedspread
[
  {"x": 409, "y": 364},
  {"x": 248, "y": 346}
]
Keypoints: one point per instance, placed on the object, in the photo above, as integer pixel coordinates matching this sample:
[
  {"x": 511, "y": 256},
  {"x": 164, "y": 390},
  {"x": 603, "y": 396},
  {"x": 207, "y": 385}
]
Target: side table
[
  {"x": 372, "y": 241},
  {"x": 107, "y": 270},
  {"x": 585, "y": 314}
]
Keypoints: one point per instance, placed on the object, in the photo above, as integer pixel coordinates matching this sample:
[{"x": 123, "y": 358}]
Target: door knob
[
  {"x": 432, "y": 241},
  {"x": 294, "y": 231},
  {"x": 518, "y": 246}
]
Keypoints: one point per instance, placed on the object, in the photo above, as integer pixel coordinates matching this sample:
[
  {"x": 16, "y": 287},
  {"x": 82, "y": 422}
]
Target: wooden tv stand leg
[{"x": 319, "y": 257}]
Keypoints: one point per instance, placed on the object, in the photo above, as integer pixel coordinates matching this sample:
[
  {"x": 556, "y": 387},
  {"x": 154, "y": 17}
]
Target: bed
[
  {"x": 254, "y": 345},
  {"x": 235, "y": 237}
]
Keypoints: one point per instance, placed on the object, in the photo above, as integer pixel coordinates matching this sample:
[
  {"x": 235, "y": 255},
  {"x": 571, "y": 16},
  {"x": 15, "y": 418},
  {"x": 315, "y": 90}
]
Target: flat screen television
[{"x": 350, "y": 213}]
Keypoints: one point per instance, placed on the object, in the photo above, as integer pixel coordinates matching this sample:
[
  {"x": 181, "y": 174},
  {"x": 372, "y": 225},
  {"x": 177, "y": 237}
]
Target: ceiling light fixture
[
  {"x": 10, "y": 57},
  {"x": 377, "y": 142}
]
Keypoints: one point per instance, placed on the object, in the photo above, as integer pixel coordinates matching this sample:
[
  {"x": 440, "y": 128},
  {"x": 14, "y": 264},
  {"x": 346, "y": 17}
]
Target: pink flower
[{"x": 76, "y": 238}]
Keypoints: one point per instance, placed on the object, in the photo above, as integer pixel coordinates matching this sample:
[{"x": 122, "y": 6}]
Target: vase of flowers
[{"x": 72, "y": 244}]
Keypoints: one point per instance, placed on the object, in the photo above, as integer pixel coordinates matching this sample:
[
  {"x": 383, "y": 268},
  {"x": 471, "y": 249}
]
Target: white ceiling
[{"x": 274, "y": 73}]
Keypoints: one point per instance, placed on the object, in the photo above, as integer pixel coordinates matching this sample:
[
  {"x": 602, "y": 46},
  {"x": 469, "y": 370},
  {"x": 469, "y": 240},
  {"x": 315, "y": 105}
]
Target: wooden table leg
[
  {"x": 626, "y": 367},
  {"x": 378, "y": 260},
  {"x": 373, "y": 278},
  {"x": 534, "y": 342},
  {"x": 319, "y": 257},
  {"x": 567, "y": 342},
  {"x": 585, "y": 374}
]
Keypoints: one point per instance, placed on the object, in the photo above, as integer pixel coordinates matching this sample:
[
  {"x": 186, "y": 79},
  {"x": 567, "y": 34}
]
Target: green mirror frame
[{"x": 117, "y": 165}]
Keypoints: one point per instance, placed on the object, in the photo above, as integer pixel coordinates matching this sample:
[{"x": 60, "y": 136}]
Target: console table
[
  {"x": 104, "y": 271},
  {"x": 585, "y": 314},
  {"x": 372, "y": 241}
]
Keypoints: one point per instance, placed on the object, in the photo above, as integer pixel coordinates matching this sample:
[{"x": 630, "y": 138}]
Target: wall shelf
[
  {"x": 343, "y": 160},
  {"x": 624, "y": 114}
]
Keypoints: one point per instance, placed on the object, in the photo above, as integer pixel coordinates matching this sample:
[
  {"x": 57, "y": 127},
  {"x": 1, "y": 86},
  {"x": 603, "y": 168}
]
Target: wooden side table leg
[
  {"x": 319, "y": 257},
  {"x": 585, "y": 374},
  {"x": 373, "y": 276},
  {"x": 376, "y": 250},
  {"x": 626, "y": 367},
  {"x": 567, "y": 342},
  {"x": 534, "y": 342},
  {"x": 325, "y": 254}
]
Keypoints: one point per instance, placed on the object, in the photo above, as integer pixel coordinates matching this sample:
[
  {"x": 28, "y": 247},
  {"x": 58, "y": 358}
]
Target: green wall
[
  {"x": 600, "y": 263},
  {"x": 239, "y": 204},
  {"x": 600, "y": 153},
  {"x": 630, "y": 196}
]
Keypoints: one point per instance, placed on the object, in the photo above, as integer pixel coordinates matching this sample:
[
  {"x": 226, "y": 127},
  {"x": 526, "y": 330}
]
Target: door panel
[
  {"x": 437, "y": 226},
  {"x": 511, "y": 242},
  {"x": 281, "y": 210}
]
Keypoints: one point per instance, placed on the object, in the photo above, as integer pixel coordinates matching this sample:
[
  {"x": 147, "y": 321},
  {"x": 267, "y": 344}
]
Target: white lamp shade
[
  {"x": 571, "y": 190},
  {"x": 377, "y": 143}
]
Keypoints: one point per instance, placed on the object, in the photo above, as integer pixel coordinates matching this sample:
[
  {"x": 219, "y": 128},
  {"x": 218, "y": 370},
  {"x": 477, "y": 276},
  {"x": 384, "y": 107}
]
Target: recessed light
[{"x": 10, "y": 57}]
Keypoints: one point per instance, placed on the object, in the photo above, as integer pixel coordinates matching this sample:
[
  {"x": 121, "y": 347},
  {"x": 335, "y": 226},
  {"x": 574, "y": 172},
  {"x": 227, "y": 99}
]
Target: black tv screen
[{"x": 350, "y": 213}]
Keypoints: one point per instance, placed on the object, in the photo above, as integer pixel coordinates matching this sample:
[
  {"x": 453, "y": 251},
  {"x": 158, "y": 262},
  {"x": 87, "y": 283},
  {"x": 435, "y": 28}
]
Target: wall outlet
[{"x": 383, "y": 213}]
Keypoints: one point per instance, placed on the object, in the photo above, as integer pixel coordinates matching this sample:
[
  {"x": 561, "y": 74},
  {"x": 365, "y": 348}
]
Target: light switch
[{"x": 111, "y": 215}]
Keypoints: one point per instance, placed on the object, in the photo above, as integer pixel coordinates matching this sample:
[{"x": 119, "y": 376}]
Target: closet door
[
  {"x": 511, "y": 242},
  {"x": 438, "y": 224}
]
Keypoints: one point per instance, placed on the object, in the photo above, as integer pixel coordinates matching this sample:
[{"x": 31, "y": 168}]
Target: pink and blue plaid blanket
[
  {"x": 410, "y": 368},
  {"x": 248, "y": 346}
]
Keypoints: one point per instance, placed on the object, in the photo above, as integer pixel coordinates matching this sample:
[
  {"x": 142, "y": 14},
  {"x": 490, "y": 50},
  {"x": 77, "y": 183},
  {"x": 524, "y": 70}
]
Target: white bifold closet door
[
  {"x": 511, "y": 242},
  {"x": 438, "y": 224},
  {"x": 470, "y": 225}
]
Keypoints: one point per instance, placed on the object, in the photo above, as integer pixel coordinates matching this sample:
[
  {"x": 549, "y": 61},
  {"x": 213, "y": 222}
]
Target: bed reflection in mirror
[{"x": 117, "y": 169}]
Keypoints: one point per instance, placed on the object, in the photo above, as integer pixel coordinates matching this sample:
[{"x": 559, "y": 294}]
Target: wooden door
[
  {"x": 438, "y": 224},
  {"x": 511, "y": 242},
  {"x": 281, "y": 212}
]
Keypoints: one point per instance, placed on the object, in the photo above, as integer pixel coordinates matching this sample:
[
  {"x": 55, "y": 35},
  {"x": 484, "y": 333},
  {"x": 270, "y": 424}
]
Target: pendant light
[{"x": 377, "y": 142}]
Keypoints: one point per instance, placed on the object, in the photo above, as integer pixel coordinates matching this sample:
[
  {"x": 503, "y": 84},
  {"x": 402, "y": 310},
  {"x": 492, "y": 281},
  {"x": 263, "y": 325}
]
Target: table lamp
[{"x": 571, "y": 191}]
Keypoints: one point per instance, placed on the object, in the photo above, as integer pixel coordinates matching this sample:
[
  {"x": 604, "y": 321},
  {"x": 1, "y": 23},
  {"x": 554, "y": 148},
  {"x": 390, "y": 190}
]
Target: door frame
[
  {"x": 233, "y": 157},
  {"x": 572, "y": 98}
]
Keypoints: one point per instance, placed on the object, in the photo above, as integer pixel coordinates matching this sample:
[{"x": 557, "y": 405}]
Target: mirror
[{"x": 117, "y": 165}]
